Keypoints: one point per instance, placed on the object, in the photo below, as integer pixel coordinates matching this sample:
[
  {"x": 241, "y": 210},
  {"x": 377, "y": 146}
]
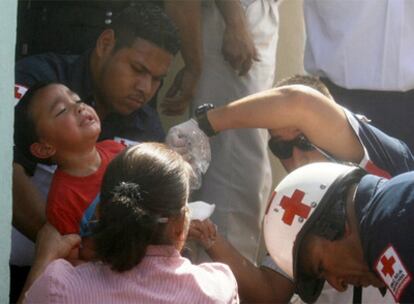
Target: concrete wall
[
  {"x": 289, "y": 55},
  {"x": 7, "y": 38}
]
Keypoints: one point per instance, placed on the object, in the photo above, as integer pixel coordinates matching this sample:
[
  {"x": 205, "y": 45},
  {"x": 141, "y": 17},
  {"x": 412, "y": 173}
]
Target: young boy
[{"x": 52, "y": 125}]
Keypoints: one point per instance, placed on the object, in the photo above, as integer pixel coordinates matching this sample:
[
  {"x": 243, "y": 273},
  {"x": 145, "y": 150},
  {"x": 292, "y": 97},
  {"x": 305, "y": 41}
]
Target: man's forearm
[
  {"x": 295, "y": 107},
  {"x": 28, "y": 205},
  {"x": 256, "y": 285},
  {"x": 186, "y": 14},
  {"x": 232, "y": 12},
  {"x": 270, "y": 109}
]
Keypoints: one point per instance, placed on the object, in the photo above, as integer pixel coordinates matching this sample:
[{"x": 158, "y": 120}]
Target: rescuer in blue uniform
[{"x": 354, "y": 229}]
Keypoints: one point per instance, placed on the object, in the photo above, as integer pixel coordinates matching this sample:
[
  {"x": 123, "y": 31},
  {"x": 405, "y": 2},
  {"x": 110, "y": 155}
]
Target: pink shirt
[{"x": 163, "y": 276}]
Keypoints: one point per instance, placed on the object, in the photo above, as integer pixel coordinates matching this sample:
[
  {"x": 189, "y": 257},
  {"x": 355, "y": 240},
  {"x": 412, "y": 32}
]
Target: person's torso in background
[{"x": 361, "y": 44}]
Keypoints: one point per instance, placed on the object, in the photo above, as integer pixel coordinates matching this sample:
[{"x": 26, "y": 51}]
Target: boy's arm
[
  {"x": 256, "y": 285},
  {"x": 28, "y": 205},
  {"x": 295, "y": 107},
  {"x": 50, "y": 245}
]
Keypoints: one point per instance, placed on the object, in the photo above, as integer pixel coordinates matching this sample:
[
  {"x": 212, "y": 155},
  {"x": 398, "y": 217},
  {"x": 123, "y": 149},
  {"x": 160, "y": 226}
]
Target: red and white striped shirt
[{"x": 163, "y": 276}]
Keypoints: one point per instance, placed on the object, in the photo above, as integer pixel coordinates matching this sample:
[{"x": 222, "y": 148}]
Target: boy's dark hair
[
  {"x": 24, "y": 127},
  {"x": 310, "y": 81},
  {"x": 142, "y": 187},
  {"x": 146, "y": 21}
]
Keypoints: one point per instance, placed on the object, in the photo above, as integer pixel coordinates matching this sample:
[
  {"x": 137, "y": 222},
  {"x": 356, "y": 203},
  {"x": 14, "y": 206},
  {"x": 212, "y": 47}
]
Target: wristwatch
[{"x": 201, "y": 117}]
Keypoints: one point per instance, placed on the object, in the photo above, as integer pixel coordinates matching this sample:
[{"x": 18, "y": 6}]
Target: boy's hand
[
  {"x": 51, "y": 245},
  {"x": 203, "y": 232}
]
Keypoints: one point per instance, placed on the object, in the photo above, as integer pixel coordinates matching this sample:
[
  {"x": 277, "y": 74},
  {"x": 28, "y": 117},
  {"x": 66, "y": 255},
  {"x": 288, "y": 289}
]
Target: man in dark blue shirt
[
  {"x": 332, "y": 222},
  {"x": 118, "y": 77}
]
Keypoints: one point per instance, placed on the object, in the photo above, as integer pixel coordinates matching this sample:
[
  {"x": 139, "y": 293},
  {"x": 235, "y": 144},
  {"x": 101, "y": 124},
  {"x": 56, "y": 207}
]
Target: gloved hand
[{"x": 188, "y": 140}]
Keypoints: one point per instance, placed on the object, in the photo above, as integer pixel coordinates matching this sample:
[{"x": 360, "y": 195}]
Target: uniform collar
[{"x": 367, "y": 188}]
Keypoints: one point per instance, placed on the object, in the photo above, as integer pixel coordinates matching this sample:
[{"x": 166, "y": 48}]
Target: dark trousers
[
  {"x": 18, "y": 275},
  {"x": 391, "y": 112}
]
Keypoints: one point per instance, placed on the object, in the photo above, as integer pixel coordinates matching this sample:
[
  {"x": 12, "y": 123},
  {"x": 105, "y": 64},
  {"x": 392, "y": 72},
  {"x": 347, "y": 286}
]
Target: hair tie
[{"x": 128, "y": 190}]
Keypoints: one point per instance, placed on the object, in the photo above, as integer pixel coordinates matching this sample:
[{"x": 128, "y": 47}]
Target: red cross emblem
[
  {"x": 293, "y": 206},
  {"x": 388, "y": 266},
  {"x": 19, "y": 91}
]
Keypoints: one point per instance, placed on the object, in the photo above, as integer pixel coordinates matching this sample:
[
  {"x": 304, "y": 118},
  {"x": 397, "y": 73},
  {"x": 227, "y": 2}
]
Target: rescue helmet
[{"x": 311, "y": 198}]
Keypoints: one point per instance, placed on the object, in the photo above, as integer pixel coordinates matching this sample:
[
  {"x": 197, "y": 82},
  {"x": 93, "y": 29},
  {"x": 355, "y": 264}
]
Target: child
[
  {"x": 141, "y": 229},
  {"x": 52, "y": 125}
]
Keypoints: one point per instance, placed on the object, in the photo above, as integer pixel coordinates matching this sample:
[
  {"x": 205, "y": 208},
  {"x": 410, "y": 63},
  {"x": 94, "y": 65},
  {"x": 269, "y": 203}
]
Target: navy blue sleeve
[
  {"x": 386, "y": 152},
  {"x": 386, "y": 233}
]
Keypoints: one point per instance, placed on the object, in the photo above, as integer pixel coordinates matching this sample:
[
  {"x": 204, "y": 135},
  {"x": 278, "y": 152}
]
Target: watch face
[{"x": 203, "y": 108}]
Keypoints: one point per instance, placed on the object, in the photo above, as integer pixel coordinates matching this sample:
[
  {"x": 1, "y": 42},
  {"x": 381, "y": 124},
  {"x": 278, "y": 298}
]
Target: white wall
[{"x": 8, "y": 38}]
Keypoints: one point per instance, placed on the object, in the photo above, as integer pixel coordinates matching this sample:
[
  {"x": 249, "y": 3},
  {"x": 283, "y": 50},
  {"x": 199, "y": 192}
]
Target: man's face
[
  {"x": 129, "y": 77},
  {"x": 298, "y": 151},
  {"x": 336, "y": 262},
  {"x": 62, "y": 120}
]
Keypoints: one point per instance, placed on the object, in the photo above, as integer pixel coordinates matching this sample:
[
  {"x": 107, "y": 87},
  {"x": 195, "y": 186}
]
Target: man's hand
[
  {"x": 181, "y": 92},
  {"x": 238, "y": 49},
  {"x": 188, "y": 140}
]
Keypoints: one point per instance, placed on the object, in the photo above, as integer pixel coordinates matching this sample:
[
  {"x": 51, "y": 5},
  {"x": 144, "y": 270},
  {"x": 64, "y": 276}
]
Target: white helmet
[{"x": 298, "y": 202}]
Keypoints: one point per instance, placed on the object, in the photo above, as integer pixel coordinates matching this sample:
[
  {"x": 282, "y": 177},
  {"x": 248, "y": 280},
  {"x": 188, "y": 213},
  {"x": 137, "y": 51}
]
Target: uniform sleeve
[{"x": 33, "y": 69}]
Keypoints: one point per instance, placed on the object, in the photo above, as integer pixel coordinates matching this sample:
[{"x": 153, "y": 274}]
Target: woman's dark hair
[
  {"x": 25, "y": 131},
  {"x": 142, "y": 187},
  {"x": 146, "y": 21}
]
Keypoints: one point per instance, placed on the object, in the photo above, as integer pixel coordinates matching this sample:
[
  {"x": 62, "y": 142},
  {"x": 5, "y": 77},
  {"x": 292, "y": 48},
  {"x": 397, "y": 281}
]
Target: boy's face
[{"x": 62, "y": 121}]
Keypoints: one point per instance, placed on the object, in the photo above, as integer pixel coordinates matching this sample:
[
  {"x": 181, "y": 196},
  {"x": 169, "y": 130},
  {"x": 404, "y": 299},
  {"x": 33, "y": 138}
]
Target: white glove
[{"x": 193, "y": 144}]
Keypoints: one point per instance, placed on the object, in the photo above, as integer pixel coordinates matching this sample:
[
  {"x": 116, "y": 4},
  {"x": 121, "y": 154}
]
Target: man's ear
[
  {"x": 105, "y": 43},
  {"x": 42, "y": 150}
]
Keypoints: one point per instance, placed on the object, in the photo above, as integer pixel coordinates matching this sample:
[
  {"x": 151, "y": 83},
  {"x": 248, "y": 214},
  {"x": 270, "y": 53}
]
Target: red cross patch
[
  {"x": 124, "y": 141},
  {"x": 19, "y": 91},
  {"x": 393, "y": 272},
  {"x": 293, "y": 206}
]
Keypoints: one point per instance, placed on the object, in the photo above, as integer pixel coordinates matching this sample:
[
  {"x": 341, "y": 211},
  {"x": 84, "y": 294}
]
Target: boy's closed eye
[{"x": 61, "y": 111}]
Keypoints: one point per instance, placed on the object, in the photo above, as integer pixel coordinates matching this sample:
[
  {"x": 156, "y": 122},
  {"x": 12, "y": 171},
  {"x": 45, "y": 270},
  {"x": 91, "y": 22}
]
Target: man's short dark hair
[
  {"x": 310, "y": 81},
  {"x": 146, "y": 21},
  {"x": 24, "y": 126}
]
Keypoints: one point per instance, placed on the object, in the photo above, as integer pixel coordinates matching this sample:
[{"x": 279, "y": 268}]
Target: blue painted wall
[{"x": 8, "y": 11}]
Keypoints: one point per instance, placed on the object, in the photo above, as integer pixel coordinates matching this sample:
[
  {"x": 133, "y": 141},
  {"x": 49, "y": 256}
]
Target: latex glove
[
  {"x": 193, "y": 144},
  {"x": 238, "y": 48},
  {"x": 181, "y": 92}
]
